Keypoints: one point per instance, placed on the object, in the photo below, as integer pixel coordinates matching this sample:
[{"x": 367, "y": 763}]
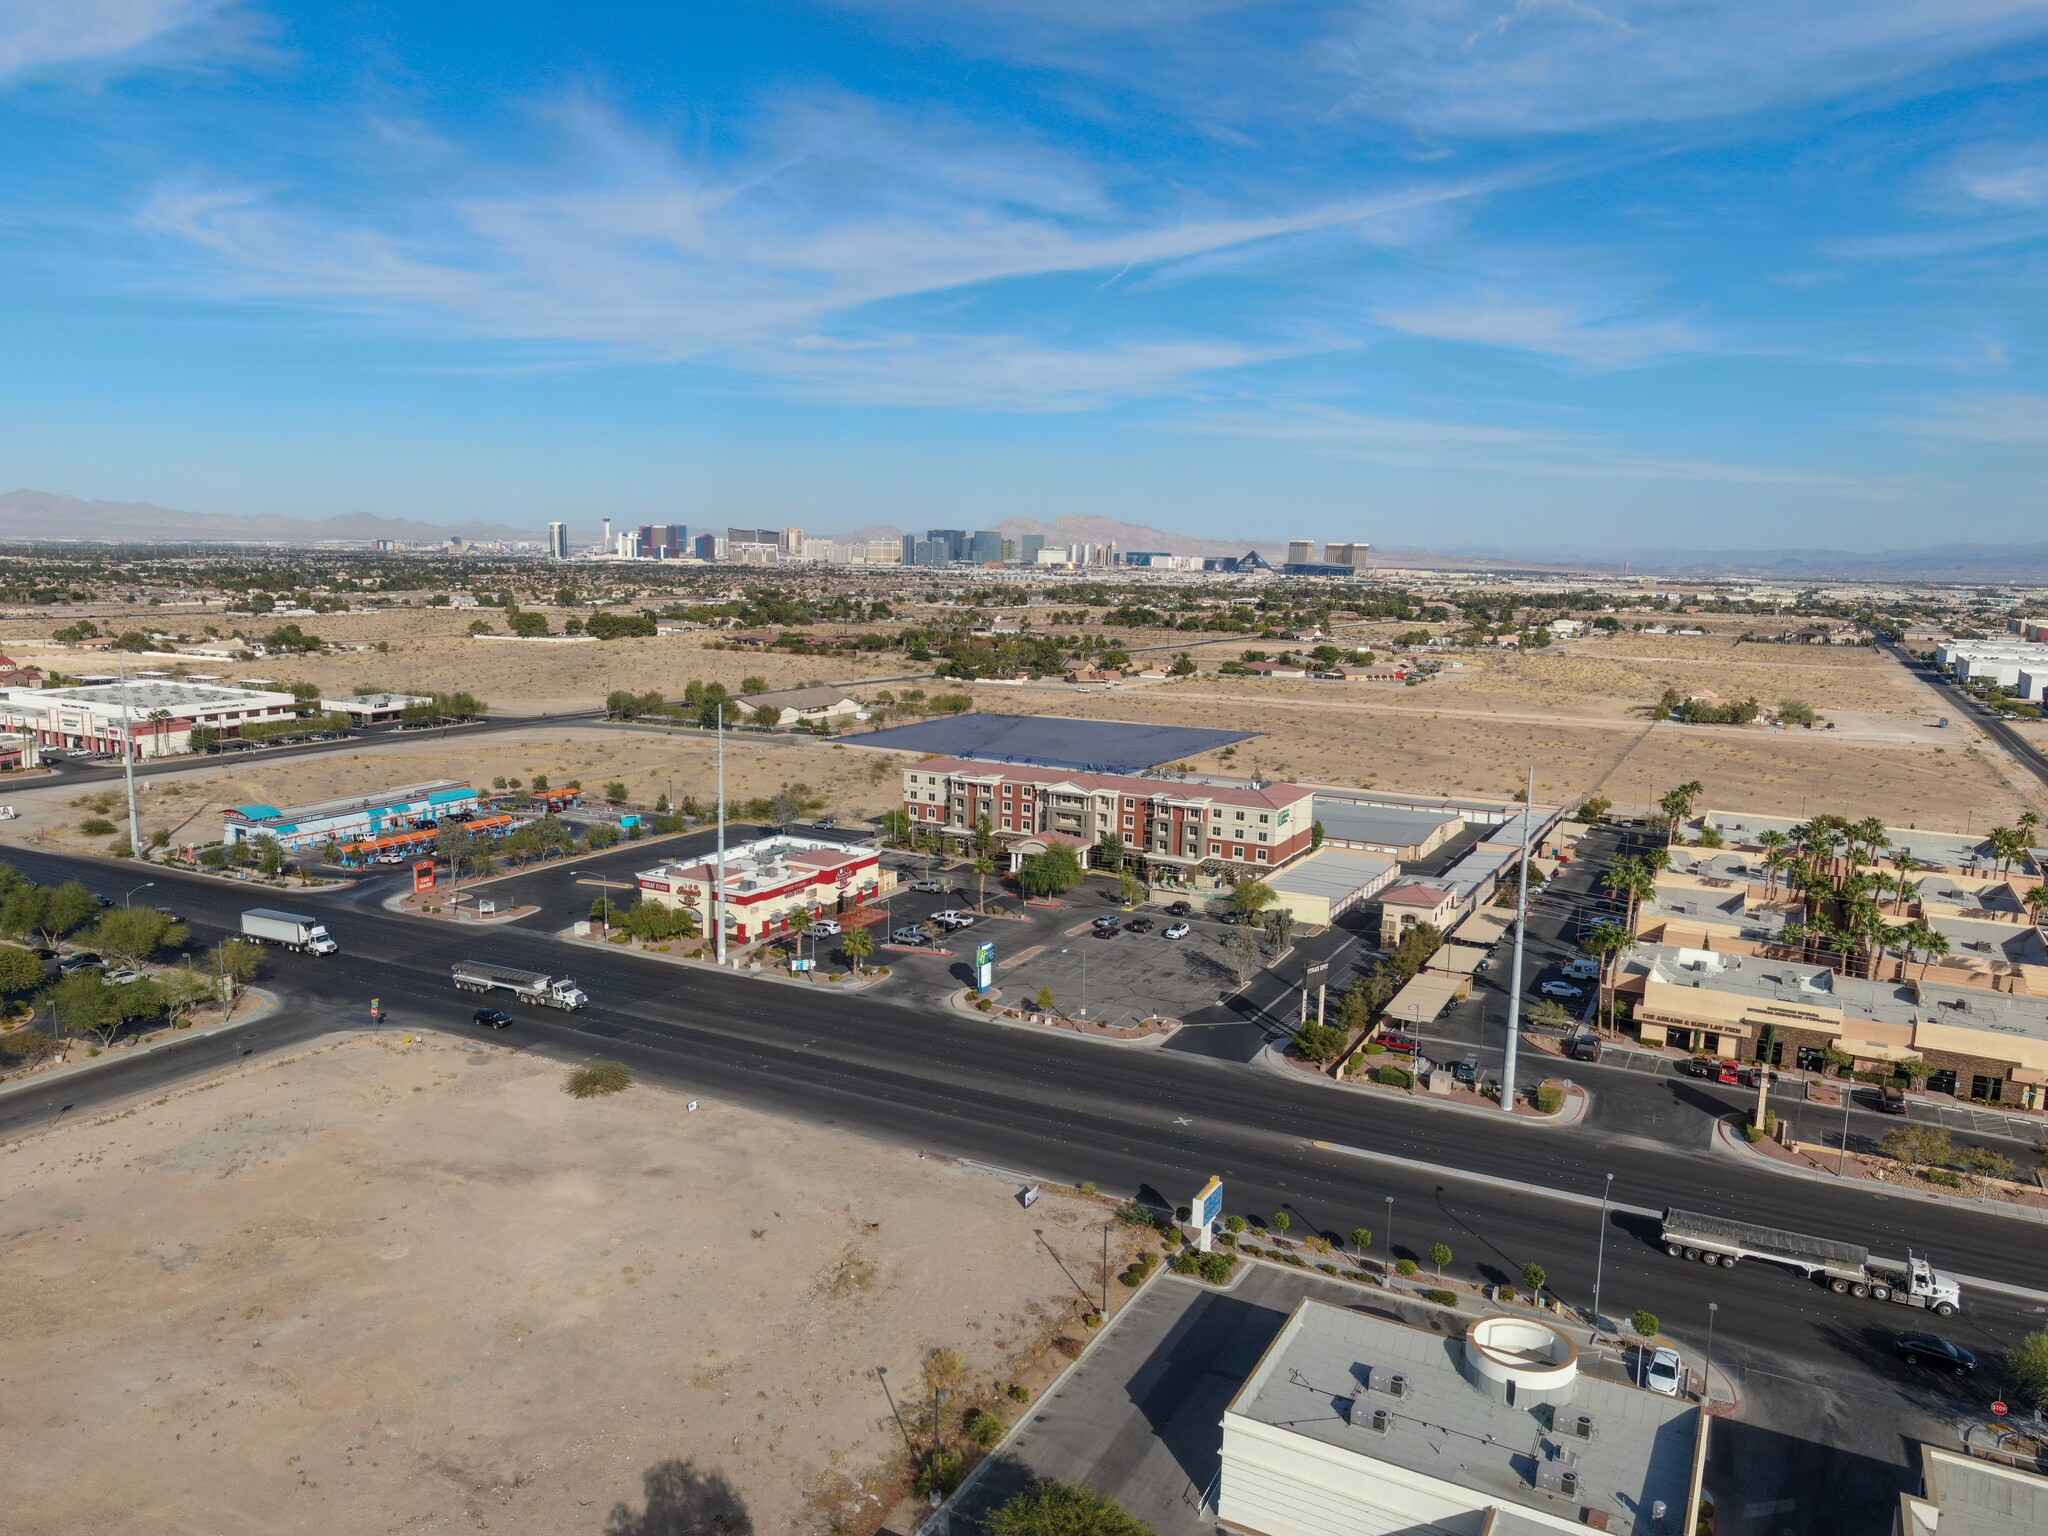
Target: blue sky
[{"x": 1569, "y": 274}]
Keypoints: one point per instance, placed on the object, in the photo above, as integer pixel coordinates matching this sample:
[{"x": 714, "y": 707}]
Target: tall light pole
[
  {"x": 128, "y": 766},
  {"x": 1507, "y": 1070},
  {"x": 1707, "y": 1395},
  {"x": 128, "y": 896},
  {"x": 1600, "y": 1263},
  {"x": 1842, "y": 1157},
  {"x": 718, "y": 879},
  {"x": 1390, "y": 1234}
]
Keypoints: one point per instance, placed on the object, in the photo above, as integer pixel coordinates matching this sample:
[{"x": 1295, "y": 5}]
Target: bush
[
  {"x": 1549, "y": 1098},
  {"x": 1394, "y": 1077},
  {"x": 2028, "y": 1365},
  {"x": 1060, "y": 1509},
  {"x": 1752, "y": 1134},
  {"x": 596, "y": 1078},
  {"x": 1442, "y": 1298},
  {"x": 942, "y": 1474},
  {"x": 1404, "y": 1267},
  {"x": 1534, "y": 1278},
  {"x": 96, "y": 826},
  {"x": 1944, "y": 1178},
  {"x": 983, "y": 1428},
  {"x": 1019, "y": 1393},
  {"x": 1234, "y": 1223},
  {"x": 1644, "y": 1323}
]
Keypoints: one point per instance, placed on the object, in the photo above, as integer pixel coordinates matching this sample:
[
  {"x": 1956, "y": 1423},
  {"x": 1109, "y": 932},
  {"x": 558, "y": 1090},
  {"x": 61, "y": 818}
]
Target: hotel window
[
  {"x": 1262, "y": 855},
  {"x": 1263, "y": 818},
  {"x": 1240, "y": 815},
  {"x": 1006, "y": 823},
  {"x": 1262, "y": 837},
  {"x": 1128, "y": 821}
]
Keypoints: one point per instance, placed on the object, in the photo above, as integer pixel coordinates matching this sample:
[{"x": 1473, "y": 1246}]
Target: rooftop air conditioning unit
[
  {"x": 1382, "y": 1420},
  {"x": 1581, "y": 1425}
]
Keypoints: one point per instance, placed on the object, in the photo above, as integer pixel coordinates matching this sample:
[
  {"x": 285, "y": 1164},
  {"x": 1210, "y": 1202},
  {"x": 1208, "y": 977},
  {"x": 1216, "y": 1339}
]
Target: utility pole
[
  {"x": 128, "y": 766},
  {"x": 1507, "y": 1069},
  {"x": 718, "y": 879}
]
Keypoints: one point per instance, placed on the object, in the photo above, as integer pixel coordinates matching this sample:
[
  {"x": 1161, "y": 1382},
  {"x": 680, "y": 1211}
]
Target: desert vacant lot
[{"x": 391, "y": 1287}]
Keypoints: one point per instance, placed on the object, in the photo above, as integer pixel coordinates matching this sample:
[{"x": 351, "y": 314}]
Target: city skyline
[{"x": 1457, "y": 275}]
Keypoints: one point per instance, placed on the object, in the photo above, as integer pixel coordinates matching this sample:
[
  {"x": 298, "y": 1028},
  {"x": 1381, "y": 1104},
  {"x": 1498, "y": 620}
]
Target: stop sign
[{"x": 1999, "y": 1409}]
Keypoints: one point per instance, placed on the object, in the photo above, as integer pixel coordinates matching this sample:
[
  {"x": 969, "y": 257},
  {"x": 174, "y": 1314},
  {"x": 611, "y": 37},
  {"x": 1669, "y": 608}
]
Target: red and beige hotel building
[
  {"x": 766, "y": 881},
  {"x": 1168, "y": 822}
]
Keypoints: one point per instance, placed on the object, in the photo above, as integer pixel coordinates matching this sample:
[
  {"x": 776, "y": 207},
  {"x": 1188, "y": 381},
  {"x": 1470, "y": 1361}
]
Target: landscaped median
[
  {"x": 971, "y": 1003},
  {"x": 693, "y": 951},
  {"x": 1919, "y": 1160},
  {"x": 1554, "y": 1101}
]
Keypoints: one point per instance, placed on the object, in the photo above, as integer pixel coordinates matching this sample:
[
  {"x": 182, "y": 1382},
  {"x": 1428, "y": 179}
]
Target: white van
[{"x": 1582, "y": 969}]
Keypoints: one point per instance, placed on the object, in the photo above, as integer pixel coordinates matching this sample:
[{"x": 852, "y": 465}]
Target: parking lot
[{"x": 1116, "y": 976}]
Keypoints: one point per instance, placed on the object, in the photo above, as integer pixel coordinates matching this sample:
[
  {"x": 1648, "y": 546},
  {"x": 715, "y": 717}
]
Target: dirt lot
[
  {"x": 649, "y": 763},
  {"x": 391, "y": 1287}
]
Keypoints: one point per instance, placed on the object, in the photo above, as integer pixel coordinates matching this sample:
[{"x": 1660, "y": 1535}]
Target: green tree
[
  {"x": 135, "y": 934},
  {"x": 2027, "y": 1364},
  {"x": 1183, "y": 666},
  {"x": 858, "y": 945},
  {"x": 1110, "y": 853},
  {"x": 1321, "y": 1042},
  {"x": 983, "y": 866},
  {"x": 23, "y": 909},
  {"x": 783, "y": 810},
  {"x": 800, "y": 922},
  {"x": 69, "y": 908},
  {"x": 526, "y": 624},
  {"x": 1053, "y": 1508},
  {"x": 1439, "y": 1255},
  {"x": 1242, "y": 955},
  {"x": 1361, "y": 1239},
  {"x": 270, "y": 857},
  {"x": 236, "y": 962},
  {"x": 1049, "y": 873},
  {"x": 1045, "y": 1002},
  {"x": 1534, "y": 1278},
  {"x": 1645, "y": 1324},
  {"x": 1316, "y": 834},
  {"x": 86, "y": 1002},
  {"x": 1251, "y": 897},
  {"x": 752, "y": 685},
  {"x": 20, "y": 971}
]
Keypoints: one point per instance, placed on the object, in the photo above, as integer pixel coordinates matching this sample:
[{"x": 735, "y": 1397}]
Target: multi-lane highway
[{"x": 1500, "y": 1193}]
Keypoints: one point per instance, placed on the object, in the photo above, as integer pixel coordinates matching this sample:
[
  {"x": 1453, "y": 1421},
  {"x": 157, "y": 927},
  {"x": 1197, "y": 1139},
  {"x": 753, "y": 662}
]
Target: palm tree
[
  {"x": 1793, "y": 935},
  {"x": 799, "y": 923},
  {"x": 1902, "y": 881},
  {"x": 1608, "y": 942},
  {"x": 1932, "y": 946},
  {"x": 1776, "y": 860},
  {"x": 984, "y": 866},
  {"x": 1871, "y": 834},
  {"x": 858, "y": 945},
  {"x": 1820, "y": 935},
  {"x": 1772, "y": 841},
  {"x": 2037, "y": 901},
  {"x": 1677, "y": 806},
  {"x": 2009, "y": 844}
]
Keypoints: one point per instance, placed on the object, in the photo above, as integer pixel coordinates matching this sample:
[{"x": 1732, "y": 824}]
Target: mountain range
[{"x": 42, "y": 516}]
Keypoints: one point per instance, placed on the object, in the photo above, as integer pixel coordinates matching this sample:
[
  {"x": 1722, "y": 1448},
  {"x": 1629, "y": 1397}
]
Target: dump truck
[
  {"x": 287, "y": 930},
  {"x": 525, "y": 986},
  {"x": 1847, "y": 1269}
]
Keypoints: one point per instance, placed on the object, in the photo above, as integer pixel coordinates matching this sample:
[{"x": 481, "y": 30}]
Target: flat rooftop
[
  {"x": 442, "y": 790},
  {"x": 1348, "y": 821},
  {"x": 1331, "y": 873},
  {"x": 1957, "y": 850},
  {"x": 1090, "y": 746},
  {"x": 1448, "y": 1428},
  {"x": 145, "y": 696}
]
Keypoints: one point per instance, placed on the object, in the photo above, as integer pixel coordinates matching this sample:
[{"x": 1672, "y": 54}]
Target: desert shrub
[
  {"x": 983, "y": 1428},
  {"x": 96, "y": 826},
  {"x": 1404, "y": 1267},
  {"x": 942, "y": 1474},
  {"x": 1019, "y": 1393},
  {"x": 1394, "y": 1077},
  {"x": 1442, "y": 1298},
  {"x": 1234, "y": 1223},
  {"x": 24, "y": 1048},
  {"x": 596, "y": 1078},
  {"x": 1644, "y": 1323},
  {"x": 1328, "y": 1269},
  {"x": 1549, "y": 1098},
  {"x": 1944, "y": 1178}
]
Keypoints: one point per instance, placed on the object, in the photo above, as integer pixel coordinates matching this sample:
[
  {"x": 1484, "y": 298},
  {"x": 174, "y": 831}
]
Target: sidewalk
[{"x": 255, "y": 1003}]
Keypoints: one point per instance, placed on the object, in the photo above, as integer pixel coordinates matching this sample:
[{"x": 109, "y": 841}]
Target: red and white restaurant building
[
  {"x": 155, "y": 719},
  {"x": 768, "y": 880}
]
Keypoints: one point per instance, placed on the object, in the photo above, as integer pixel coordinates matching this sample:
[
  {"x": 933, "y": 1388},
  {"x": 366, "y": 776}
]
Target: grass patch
[{"x": 594, "y": 1079}]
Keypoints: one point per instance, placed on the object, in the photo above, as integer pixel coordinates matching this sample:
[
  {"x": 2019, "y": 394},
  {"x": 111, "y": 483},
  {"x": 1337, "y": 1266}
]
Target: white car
[
  {"x": 1561, "y": 989},
  {"x": 930, "y": 887},
  {"x": 826, "y": 928},
  {"x": 1664, "y": 1373},
  {"x": 951, "y": 919},
  {"x": 1175, "y": 931}
]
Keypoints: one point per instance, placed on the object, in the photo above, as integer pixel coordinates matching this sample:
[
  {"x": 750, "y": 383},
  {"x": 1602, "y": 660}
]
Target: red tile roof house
[
  {"x": 14, "y": 675},
  {"x": 1412, "y": 902},
  {"x": 1095, "y": 677}
]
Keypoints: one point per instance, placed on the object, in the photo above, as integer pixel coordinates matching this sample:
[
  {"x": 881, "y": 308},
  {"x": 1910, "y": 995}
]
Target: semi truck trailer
[
  {"x": 526, "y": 986},
  {"x": 288, "y": 930},
  {"x": 1847, "y": 1269}
]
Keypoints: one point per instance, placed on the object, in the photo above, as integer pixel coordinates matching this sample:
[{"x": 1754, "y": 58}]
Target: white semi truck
[
  {"x": 1847, "y": 1269},
  {"x": 265, "y": 925},
  {"x": 526, "y": 986}
]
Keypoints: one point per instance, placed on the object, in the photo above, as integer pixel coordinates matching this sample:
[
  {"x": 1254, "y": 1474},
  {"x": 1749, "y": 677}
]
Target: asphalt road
[
  {"x": 1988, "y": 720},
  {"x": 1149, "y": 1122}
]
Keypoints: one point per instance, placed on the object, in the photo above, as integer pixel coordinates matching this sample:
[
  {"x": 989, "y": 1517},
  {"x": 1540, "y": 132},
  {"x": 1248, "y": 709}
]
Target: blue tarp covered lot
[{"x": 1091, "y": 746}]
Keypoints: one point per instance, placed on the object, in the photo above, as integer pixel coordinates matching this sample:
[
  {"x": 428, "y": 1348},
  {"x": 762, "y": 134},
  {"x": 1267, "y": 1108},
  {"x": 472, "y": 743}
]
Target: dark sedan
[
  {"x": 1700, "y": 1066},
  {"x": 491, "y": 1018},
  {"x": 1931, "y": 1349}
]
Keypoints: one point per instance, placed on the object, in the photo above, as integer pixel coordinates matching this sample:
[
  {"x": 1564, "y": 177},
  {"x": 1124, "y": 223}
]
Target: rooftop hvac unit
[
  {"x": 1385, "y": 1379},
  {"x": 1382, "y": 1420},
  {"x": 1580, "y": 1424},
  {"x": 1558, "y": 1477}
]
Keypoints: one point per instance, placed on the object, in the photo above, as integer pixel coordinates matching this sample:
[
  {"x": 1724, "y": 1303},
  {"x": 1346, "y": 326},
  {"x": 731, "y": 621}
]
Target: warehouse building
[
  {"x": 414, "y": 808},
  {"x": 159, "y": 716},
  {"x": 1403, "y": 833},
  {"x": 1324, "y": 886},
  {"x": 374, "y": 708},
  {"x": 1364, "y": 1425}
]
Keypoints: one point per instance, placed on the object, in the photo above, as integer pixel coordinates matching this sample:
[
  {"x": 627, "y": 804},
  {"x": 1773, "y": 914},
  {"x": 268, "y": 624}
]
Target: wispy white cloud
[
  {"x": 1550, "y": 330},
  {"x": 844, "y": 218},
  {"x": 2005, "y": 175},
  {"x": 1411, "y": 443},
  {"x": 45, "y": 34},
  {"x": 2007, "y": 420}
]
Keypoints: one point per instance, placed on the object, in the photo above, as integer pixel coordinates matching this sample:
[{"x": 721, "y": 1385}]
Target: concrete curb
[
  {"x": 268, "y": 1003},
  {"x": 1577, "y": 1103},
  {"x": 867, "y": 982},
  {"x": 1730, "y": 1143}
]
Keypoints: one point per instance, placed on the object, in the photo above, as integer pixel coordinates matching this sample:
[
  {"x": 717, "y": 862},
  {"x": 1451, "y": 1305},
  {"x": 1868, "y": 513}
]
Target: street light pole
[
  {"x": 1600, "y": 1263},
  {"x": 146, "y": 885},
  {"x": 1390, "y": 1234},
  {"x": 1842, "y": 1157},
  {"x": 1105, "y": 1271},
  {"x": 1507, "y": 1072},
  {"x": 1707, "y": 1395}
]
